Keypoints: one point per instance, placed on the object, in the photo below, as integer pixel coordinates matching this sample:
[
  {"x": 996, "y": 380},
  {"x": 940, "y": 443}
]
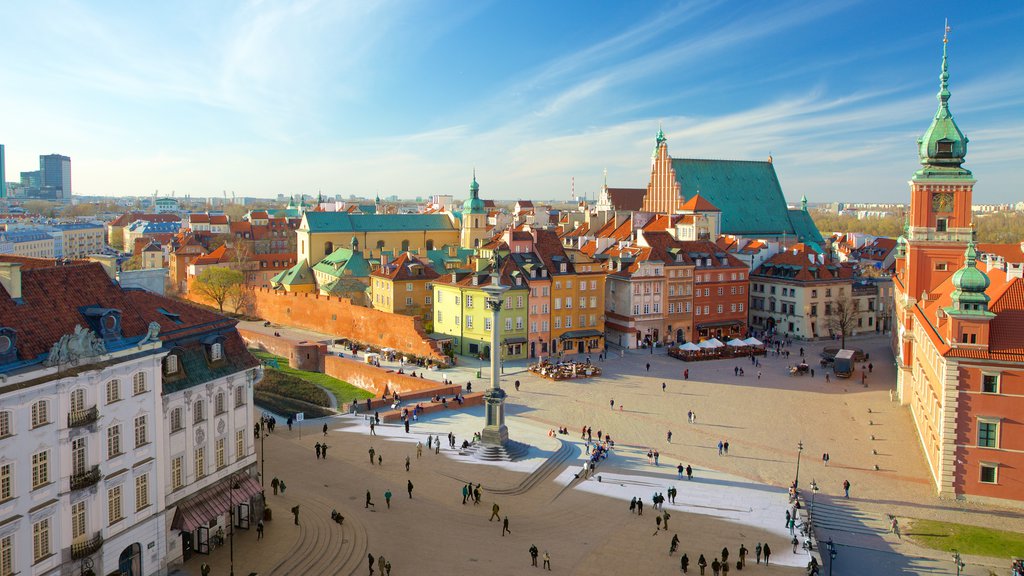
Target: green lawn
[
  {"x": 966, "y": 539},
  {"x": 343, "y": 391}
]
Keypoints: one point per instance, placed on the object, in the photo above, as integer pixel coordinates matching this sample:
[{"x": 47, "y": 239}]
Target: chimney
[
  {"x": 10, "y": 278},
  {"x": 109, "y": 264}
]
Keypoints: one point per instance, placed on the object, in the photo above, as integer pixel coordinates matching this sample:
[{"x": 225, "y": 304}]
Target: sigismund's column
[{"x": 495, "y": 432}]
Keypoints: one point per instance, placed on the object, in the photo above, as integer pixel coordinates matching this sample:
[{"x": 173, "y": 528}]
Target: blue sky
[{"x": 406, "y": 97}]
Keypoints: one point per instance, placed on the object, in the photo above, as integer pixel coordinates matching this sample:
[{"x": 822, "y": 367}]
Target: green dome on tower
[
  {"x": 943, "y": 147},
  {"x": 970, "y": 284},
  {"x": 473, "y": 204}
]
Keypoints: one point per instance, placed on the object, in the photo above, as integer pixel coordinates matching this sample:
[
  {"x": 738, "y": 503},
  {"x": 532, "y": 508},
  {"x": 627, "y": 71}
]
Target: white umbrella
[
  {"x": 736, "y": 342},
  {"x": 708, "y": 344},
  {"x": 753, "y": 342},
  {"x": 715, "y": 343},
  {"x": 689, "y": 347}
]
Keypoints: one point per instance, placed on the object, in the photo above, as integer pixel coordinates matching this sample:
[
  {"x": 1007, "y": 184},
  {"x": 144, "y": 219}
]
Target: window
[
  {"x": 989, "y": 384},
  {"x": 138, "y": 383},
  {"x": 558, "y": 303},
  {"x": 176, "y": 478},
  {"x": 732, "y": 308},
  {"x": 544, "y": 325},
  {"x": 216, "y": 351},
  {"x": 40, "y": 414},
  {"x": 558, "y": 322},
  {"x": 469, "y": 321},
  {"x": 519, "y": 322},
  {"x": 469, "y": 302},
  {"x": 647, "y": 308},
  {"x": 7, "y": 556},
  {"x": 176, "y": 420},
  {"x": 568, "y": 302},
  {"x": 940, "y": 266},
  {"x": 533, "y": 327},
  {"x": 988, "y": 473},
  {"x": 239, "y": 444},
  {"x": 940, "y": 224},
  {"x": 741, "y": 307},
  {"x": 114, "y": 509},
  {"x": 440, "y": 317},
  {"x": 219, "y": 453},
  {"x": 77, "y": 400},
  {"x": 487, "y": 324},
  {"x": 239, "y": 396},
  {"x": 828, "y": 292},
  {"x": 6, "y": 481},
  {"x": 519, "y": 301},
  {"x": 141, "y": 492},
  {"x": 171, "y": 364},
  {"x": 140, "y": 431},
  {"x": 5, "y": 424},
  {"x": 40, "y": 469},
  {"x": 219, "y": 403},
  {"x": 718, "y": 308},
  {"x": 197, "y": 412},
  {"x": 988, "y": 434},
  {"x": 426, "y": 300},
  {"x": 657, "y": 307},
  {"x": 568, "y": 321},
  {"x": 78, "y": 454},
  {"x": 408, "y": 286},
  {"x": 77, "y": 520},
  {"x": 200, "y": 462},
  {"x": 408, "y": 301},
  {"x": 41, "y": 540},
  {"x": 113, "y": 391},
  {"x": 114, "y": 441}
]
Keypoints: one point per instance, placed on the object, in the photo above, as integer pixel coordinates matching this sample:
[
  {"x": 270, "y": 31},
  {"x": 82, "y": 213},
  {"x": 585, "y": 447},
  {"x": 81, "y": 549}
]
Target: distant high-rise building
[
  {"x": 31, "y": 180},
  {"x": 3, "y": 174},
  {"x": 56, "y": 173}
]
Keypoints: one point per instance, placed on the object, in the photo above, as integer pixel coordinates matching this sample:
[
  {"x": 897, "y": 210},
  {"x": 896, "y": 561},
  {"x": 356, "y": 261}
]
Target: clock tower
[{"x": 940, "y": 199}]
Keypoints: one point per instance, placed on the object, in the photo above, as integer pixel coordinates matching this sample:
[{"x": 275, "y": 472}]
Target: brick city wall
[
  {"x": 303, "y": 355},
  {"x": 373, "y": 379},
  {"x": 341, "y": 318}
]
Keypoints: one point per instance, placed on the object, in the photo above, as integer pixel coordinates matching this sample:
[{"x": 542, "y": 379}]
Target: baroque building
[{"x": 958, "y": 343}]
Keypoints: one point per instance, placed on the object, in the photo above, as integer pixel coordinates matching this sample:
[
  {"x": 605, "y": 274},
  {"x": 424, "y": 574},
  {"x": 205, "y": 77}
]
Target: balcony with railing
[
  {"x": 83, "y": 417},
  {"x": 86, "y": 547},
  {"x": 85, "y": 479}
]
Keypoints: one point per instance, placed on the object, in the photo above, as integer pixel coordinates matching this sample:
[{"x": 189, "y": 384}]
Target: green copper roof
[
  {"x": 299, "y": 274},
  {"x": 943, "y": 146},
  {"x": 748, "y": 194},
  {"x": 473, "y": 204},
  {"x": 970, "y": 284},
  {"x": 345, "y": 222},
  {"x": 439, "y": 259},
  {"x": 344, "y": 262}
]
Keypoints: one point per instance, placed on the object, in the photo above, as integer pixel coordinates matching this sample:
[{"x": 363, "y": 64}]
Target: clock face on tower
[{"x": 942, "y": 202}]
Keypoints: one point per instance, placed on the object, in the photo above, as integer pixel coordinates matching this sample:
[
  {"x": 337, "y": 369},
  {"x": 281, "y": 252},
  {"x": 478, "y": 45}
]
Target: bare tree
[{"x": 843, "y": 318}]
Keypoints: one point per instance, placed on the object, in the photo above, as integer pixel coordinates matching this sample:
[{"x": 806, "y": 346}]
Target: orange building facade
[{"x": 958, "y": 341}]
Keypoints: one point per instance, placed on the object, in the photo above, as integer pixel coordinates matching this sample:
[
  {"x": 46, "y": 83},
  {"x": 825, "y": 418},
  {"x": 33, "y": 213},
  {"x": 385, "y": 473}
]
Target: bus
[{"x": 843, "y": 364}]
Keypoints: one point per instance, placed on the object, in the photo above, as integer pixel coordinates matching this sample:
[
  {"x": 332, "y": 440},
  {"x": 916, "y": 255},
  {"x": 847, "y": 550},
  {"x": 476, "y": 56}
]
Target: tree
[
  {"x": 843, "y": 318},
  {"x": 41, "y": 207},
  {"x": 218, "y": 284}
]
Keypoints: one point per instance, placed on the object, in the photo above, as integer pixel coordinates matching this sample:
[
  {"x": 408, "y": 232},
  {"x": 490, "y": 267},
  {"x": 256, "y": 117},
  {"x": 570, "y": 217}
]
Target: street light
[
  {"x": 800, "y": 450},
  {"x": 832, "y": 556},
  {"x": 810, "y": 513},
  {"x": 232, "y": 486},
  {"x": 959, "y": 563}
]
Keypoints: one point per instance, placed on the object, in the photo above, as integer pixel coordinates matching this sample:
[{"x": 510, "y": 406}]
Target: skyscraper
[
  {"x": 3, "y": 174},
  {"x": 56, "y": 173}
]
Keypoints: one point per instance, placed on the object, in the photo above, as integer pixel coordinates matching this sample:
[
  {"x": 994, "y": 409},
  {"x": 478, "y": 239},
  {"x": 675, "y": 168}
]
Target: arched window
[
  {"x": 405, "y": 245},
  {"x": 77, "y": 400},
  {"x": 220, "y": 403},
  {"x": 138, "y": 383},
  {"x": 40, "y": 413},
  {"x": 328, "y": 248},
  {"x": 197, "y": 412}
]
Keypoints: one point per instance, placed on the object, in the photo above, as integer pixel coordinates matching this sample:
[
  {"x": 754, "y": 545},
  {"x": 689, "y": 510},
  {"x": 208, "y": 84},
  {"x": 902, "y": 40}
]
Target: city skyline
[{"x": 267, "y": 98}]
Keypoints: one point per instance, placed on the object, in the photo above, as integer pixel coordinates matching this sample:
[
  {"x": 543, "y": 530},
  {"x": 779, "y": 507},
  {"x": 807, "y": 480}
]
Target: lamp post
[
  {"x": 810, "y": 513},
  {"x": 232, "y": 486},
  {"x": 263, "y": 452},
  {"x": 959, "y": 563},
  {"x": 832, "y": 556},
  {"x": 800, "y": 450}
]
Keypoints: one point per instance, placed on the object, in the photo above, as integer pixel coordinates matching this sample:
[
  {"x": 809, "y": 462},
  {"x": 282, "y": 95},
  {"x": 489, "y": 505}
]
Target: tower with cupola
[
  {"x": 474, "y": 218},
  {"x": 940, "y": 198}
]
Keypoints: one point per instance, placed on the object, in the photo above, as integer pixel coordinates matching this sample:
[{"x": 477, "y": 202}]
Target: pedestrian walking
[
  {"x": 387, "y": 498},
  {"x": 720, "y": 447},
  {"x": 408, "y": 487},
  {"x": 639, "y": 507},
  {"x": 372, "y": 453},
  {"x": 702, "y": 564},
  {"x": 648, "y": 366},
  {"x": 664, "y": 518},
  {"x": 716, "y": 567},
  {"x": 757, "y": 552},
  {"x": 494, "y": 512},
  {"x": 295, "y": 512},
  {"x": 673, "y": 545},
  {"x": 465, "y": 493},
  {"x": 612, "y": 404},
  {"x": 259, "y": 530},
  {"x": 369, "y": 500},
  {"x": 547, "y": 560},
  {"x": 533, "y": 554},
  {"x": 419, "y": 450},
  {"x": 504, "y": 526},
  {"x": 325, "y": 429},
  {"x": 282, "y": 487},
  {"x": 846, "y": 487},
  {"x": 204, "y": 569},
  {"x": 726, "y": 447},
  {"x": 387, "y": 567},
  {"x": 407, "y": 463},
  {"x": 662, "y": 386},
  {"x": 669, "y": 436},
  {"x": 372, "y": 560},
  {"x": 476, "y": 495},
  {"x": 274, "y": 484},
  {"x": 317, "y": 448},
  {"x": 517, "y": 390},
  {"x": 380, "y": 460},
  {"x": 632, "y": 505},
  {"x": 684, "y": 563},
  {"x": 743, "y": 556},
  {"x": 323, "y": 450},
  {"x": 373, "y": 428},
  {"x": 689, "y": 472},
  {"x": 681, "y": 470},
  {"x": 380, "y": 564},
  {"x": 767, "y": 553}
]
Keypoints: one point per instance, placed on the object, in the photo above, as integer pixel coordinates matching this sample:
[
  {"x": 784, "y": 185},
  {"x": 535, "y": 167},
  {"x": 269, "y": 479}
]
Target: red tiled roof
[
  {"x": 52, "y": 299},
  {"x": 699, "y": 204},
  {"x": 799, "y": 267},
  {"x": 1012, "y": 253},
  {"x": 627, "y": 199},
  {"x": 129, "y": 217},
  {"x": 402, "y": 268}
]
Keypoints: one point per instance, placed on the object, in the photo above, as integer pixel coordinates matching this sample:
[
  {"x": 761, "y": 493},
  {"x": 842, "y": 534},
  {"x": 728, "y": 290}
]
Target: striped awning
[{"x": 200, "y": 509}]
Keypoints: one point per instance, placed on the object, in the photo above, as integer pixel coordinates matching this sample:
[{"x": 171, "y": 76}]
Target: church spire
[{"x": 943, "y": 147}]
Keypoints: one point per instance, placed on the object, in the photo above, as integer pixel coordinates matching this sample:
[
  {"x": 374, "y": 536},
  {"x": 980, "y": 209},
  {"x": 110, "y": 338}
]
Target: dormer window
[
  {"x": 944, "y": 147},
  {"x": 8, "y": 346},
  {"x": 171, "y": 364},
  {"x": 216, "y": 351}
]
